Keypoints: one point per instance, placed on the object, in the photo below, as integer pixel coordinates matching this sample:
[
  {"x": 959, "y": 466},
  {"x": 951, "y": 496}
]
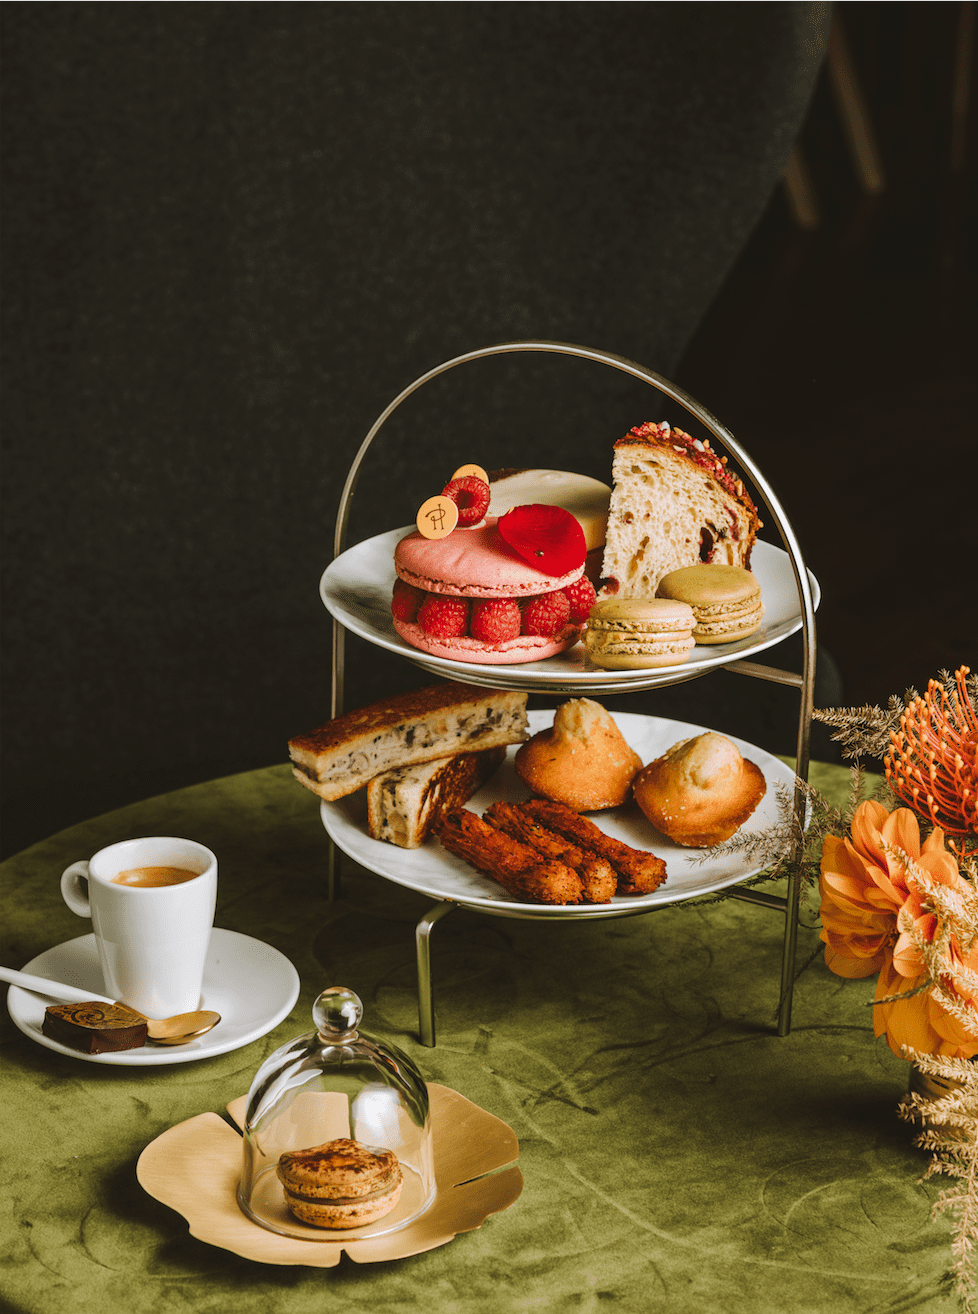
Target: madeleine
[{"x": 582, "y": 761}]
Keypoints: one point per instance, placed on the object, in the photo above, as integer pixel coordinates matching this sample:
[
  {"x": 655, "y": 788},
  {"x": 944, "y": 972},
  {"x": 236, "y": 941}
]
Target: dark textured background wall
[{"x": 232, "y": 233}]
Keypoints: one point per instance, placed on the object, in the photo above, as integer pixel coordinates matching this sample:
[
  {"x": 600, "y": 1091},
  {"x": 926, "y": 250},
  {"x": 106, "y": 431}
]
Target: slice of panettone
[{"x": 674, "y": 503}]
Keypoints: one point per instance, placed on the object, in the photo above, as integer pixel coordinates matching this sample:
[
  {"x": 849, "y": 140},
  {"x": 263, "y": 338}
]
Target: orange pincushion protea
[{"x": 931, "y": 762}]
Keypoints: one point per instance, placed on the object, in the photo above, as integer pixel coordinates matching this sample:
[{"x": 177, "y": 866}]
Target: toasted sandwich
[
  {"x": 420, "y": 726},
  {"x": 403, "y": 805}
]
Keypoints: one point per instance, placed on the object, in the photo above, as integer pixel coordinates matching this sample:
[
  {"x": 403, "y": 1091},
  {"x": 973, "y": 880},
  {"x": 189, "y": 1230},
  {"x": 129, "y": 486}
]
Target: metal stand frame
[{"x": 805, "y": 682}]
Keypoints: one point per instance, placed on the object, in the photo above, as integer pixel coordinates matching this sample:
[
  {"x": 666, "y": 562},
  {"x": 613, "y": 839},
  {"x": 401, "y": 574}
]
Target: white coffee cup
[{"x": 152, "y": 940}]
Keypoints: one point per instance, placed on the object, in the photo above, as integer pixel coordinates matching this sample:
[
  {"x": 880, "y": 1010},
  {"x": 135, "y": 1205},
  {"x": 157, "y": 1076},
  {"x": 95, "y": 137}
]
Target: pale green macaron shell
[
  {"x": 726, "y": 600},
  {"x": 638, "y": 633}
]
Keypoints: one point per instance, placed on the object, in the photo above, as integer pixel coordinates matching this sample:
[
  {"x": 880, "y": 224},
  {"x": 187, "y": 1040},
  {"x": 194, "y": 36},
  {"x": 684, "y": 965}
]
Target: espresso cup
[{"x": 152, "y": 937}]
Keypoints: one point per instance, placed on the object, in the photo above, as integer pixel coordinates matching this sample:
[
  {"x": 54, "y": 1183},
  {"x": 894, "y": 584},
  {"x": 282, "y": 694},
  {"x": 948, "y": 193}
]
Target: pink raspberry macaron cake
[{"x": 503, "y": 590}]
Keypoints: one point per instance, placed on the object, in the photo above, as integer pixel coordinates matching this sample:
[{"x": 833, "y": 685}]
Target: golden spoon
[
  {"x": 180, "y": 1028},
  {"x": 176, "y": 1030}
]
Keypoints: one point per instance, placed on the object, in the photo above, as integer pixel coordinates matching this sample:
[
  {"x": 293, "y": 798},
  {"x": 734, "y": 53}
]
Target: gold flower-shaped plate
[{"x": 194, "y": 1169}]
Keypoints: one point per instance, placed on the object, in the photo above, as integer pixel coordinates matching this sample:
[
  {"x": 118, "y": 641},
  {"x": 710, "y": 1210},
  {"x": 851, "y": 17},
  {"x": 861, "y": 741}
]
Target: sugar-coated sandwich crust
[
  {"x": 404, "y": 805},
  {"x": 700, "y": 791},
  {"x": 340, "y": 1184},
  {"x": 726, "y": 600},
  {"x": 582, "y": 761},
  {"x": 473, "y": 563},
  {"x": 638, "y": 633},
  {"x": 438, "y": 721},
  {"x": 674, "y": 503}
]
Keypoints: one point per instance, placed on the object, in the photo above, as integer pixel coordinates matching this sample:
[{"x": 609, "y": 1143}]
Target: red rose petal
[{"x": 548, "y": 537}]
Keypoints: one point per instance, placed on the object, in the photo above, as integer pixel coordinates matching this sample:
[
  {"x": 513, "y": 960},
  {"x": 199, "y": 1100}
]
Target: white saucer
[{"x": 249, "y": 983}]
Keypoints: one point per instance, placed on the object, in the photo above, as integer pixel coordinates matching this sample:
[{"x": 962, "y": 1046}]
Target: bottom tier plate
[{"x": 434, "y": 871}]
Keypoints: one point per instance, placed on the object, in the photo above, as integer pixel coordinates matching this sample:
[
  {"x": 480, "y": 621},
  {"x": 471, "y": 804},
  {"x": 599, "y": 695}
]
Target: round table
[{"x": 677, "y": 1154}]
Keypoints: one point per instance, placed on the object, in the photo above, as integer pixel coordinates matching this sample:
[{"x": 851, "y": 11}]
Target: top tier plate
[{"x": 356, "y": 590}]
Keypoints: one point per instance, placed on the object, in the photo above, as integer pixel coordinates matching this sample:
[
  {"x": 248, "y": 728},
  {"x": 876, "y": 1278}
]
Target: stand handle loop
[
  {"x": 676, "y": 394},
  {"x": 806, "y": 683}
]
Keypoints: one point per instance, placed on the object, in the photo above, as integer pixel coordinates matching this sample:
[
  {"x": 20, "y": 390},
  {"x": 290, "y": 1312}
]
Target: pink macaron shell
[
  {"x": 476, "y": 562},
  {"x": 525, "y": 648}
]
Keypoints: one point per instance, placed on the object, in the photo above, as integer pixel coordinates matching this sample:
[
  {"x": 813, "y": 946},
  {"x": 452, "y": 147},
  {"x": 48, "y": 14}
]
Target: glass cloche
[{"x": 337, "y": 1140}]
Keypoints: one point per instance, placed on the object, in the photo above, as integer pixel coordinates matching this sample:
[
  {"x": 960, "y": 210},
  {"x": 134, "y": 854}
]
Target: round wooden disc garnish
[
  {"x": 475, "y": 470},
  {"x": 437, "y": 517}
]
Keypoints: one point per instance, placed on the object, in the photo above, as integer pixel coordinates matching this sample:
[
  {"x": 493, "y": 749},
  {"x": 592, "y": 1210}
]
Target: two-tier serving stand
[{"x": 533, "y": 678}]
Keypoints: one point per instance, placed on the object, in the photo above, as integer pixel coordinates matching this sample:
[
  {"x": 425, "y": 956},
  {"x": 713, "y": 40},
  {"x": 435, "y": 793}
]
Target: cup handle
[{"x": 71, "y": 889}]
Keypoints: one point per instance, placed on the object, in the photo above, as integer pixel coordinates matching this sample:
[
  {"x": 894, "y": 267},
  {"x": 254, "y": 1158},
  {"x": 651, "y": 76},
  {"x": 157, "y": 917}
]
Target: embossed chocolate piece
[{"x": 94, "y": 1028}]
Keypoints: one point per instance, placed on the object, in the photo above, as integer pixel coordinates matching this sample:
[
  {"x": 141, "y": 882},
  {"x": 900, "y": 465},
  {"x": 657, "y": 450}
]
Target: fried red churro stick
[
  {"x": 515, "y": 866},
  {"x": 597, "y": 875},
  {"x": 638, "y": 872}
]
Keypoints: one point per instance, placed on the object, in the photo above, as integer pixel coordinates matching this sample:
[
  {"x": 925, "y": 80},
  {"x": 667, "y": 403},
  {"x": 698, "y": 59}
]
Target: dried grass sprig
[
  {"x": 933, "y": 951},
  {"x": 955, "y": 907},
  {"x": 922, "y": 989},
  {"x": 950, "y": 1136},
  {"x": 865, "y": 731},
  {"x": 769, "y": 848},
  {"x": 792, "y": 847},
  {"x": 928, "y": 748}
]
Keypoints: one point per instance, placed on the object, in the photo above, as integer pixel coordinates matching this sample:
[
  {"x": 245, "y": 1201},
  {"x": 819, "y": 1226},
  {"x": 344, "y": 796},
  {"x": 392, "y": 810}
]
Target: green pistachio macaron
[
  {"x": 726, "y": 600},
  {"x": 627, "y": 634}
]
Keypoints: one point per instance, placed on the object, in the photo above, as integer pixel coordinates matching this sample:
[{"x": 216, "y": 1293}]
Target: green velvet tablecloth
[{"x": 678, "y": 1156}]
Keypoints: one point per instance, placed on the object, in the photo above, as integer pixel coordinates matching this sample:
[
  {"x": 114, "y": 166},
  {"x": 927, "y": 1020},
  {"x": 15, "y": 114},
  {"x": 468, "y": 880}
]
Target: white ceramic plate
[
  {"x": 432, "y": 870},
  {"x": 249, "y": 983},
  {"x": 356, "y": 589}
]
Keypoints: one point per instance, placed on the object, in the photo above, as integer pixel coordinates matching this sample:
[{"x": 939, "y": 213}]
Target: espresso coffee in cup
[
  {"x": 151, "y": 902},
  {"x": 154, "y": 877}
]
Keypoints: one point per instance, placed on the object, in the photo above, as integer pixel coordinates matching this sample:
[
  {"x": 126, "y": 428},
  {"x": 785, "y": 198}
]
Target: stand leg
[
  {"x": 788, "y": 959},
  {"x": 791, "y": 903},
  {"x": 426, "y": 1003},
  {"x": 802, "y": 756},
  {"x": 333, "y": 873}
]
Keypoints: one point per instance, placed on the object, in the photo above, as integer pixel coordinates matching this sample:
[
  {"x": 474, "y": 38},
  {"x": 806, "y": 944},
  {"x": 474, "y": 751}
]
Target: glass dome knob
[{"x": 337, "y": 1012}]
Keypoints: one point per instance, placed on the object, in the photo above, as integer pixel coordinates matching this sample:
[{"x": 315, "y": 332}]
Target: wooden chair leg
[
  {"x": 851, "y": 105},
  {"x": 801, "y": 191}
]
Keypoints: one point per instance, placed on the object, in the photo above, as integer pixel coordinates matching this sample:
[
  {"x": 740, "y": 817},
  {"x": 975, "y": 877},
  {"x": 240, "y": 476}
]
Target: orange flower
[
  {"x": 870, "y": 906},
  {"x": 863, "y": 888},
  {"x": 932, "y": 762},
  {"x": 922, "y": 1022}
]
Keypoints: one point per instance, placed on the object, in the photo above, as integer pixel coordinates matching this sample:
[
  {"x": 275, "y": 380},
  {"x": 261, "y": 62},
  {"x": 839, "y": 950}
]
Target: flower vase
[{"x": 930, "y": 1087}]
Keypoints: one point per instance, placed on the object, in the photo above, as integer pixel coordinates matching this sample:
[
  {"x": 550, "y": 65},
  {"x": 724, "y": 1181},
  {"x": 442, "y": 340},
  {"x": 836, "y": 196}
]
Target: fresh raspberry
[
  {"x": 495, "y": 620},
  {"x": 546, "y": 614},
  {"x": 406, "y": 601},
  {"x": 548, "y": 537},
  {"x": 444, "y": 617},
  {"x": 471, "y": 496},
  {"x": 582, "y": 598}
]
